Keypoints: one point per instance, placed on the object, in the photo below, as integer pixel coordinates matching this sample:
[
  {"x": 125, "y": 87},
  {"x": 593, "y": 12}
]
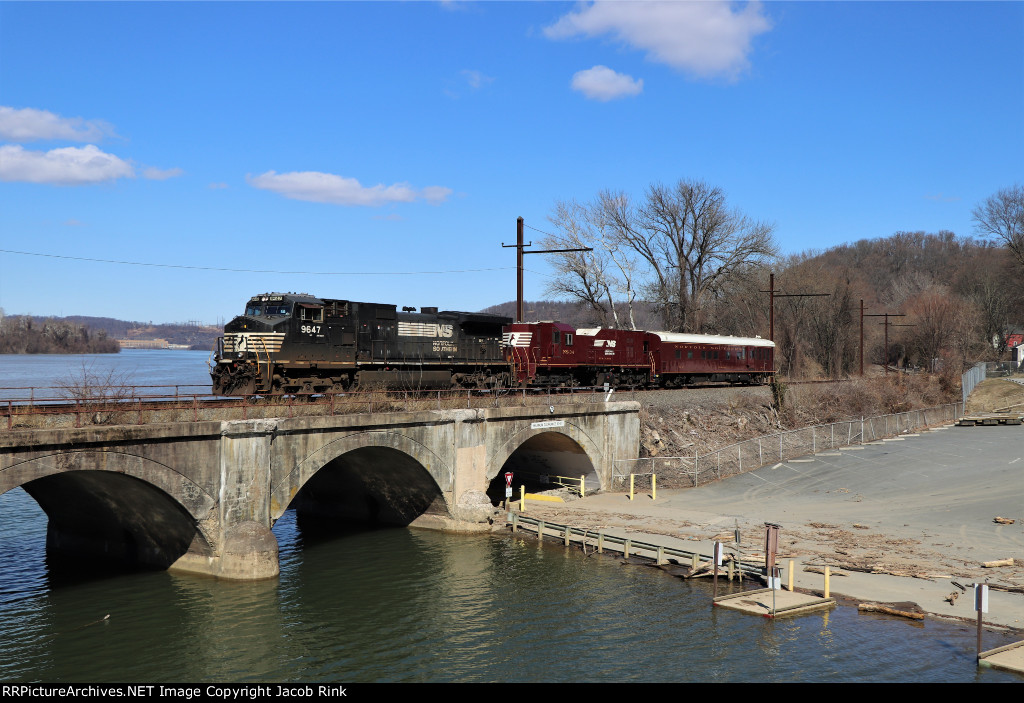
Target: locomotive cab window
[
  {"x": 311, "y": 313},
  {"x": 568, "y": 339},
  {"x": 555, "y": 336},
  {"x": 253, "y": 310}
]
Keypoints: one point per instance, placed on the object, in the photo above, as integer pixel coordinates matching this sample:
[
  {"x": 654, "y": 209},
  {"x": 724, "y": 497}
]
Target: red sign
[{"x": 508, "y": 478}]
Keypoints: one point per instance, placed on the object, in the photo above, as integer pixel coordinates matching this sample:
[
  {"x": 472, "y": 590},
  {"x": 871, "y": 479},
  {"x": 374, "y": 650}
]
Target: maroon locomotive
[{"x": 556, "y": 354}]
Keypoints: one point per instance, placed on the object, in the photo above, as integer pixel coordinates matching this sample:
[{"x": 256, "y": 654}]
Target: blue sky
[{"x": 372, "y": 143}]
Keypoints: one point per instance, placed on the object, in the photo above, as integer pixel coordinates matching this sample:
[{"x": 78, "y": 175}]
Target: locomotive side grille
[
  {"x": 516, "y": 339},
  {"x": 253, "y": 342}
]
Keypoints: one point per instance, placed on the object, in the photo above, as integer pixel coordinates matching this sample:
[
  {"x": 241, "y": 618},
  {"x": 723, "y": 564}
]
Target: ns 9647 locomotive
[{"x": 298, "y": 343}]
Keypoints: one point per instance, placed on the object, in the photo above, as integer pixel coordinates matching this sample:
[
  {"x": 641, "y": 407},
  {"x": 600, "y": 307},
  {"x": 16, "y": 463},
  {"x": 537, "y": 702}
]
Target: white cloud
[
  {"x": 476, "y": 79},
  {"x": 328, "y": 188},
  {"x": 28, "y": 124},
  {"x": 706, "y": 39},
  {"x": 161, "y": 174},
  {"x": 218, "y": 186},
  {"x": 66, "y": 166},
  {"x": 604, "y": 84}
]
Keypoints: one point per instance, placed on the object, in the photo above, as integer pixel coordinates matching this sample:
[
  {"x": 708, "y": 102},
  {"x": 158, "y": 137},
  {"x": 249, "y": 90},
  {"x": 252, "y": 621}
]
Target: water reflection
[{"x": 407, "y": 605}]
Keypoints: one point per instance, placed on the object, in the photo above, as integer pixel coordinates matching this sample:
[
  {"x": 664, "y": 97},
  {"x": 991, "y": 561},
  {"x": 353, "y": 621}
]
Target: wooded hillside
[{"x": 952, "y": 300}]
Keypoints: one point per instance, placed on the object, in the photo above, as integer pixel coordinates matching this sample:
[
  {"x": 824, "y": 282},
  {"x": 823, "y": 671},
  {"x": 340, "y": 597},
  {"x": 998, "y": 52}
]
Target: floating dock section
[
  {"x": 1009, "y": 658},
  {"x": 774, "y": 603}
]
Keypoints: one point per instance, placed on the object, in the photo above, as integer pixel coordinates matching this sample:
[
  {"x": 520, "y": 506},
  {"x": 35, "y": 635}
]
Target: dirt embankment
[
  {"x": 996, "y": 395},
  {"x": 701, "y": 420}
]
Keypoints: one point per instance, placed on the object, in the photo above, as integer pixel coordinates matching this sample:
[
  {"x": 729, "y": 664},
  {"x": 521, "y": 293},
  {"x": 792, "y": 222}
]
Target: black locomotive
[{"x": 298, "y": 343}]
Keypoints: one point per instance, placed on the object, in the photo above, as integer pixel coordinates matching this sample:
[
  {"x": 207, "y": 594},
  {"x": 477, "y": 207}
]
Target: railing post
[{"x": 583, "y": 486}]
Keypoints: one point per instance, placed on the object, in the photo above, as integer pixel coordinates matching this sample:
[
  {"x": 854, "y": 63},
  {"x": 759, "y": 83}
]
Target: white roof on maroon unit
[
  {"x": 688, "y": 338},
  {"x": 713, "y": 339}
]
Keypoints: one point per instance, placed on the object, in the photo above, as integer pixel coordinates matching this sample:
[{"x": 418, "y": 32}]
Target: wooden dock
[
  {"x": 1004, "y": 418},
  {"x": 783, "y": 604},
  {"x": 1010, "y": 658}
]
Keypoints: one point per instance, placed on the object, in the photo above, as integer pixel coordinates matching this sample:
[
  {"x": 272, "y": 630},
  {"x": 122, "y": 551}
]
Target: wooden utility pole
[
  {"x": 772, "y": 295},
  {"x": 520, "y": 251},
  {"x": 886, "y": 315}
]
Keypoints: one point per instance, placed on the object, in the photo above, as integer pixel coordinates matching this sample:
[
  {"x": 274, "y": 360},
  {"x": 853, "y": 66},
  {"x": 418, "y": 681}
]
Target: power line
[
  {"x": 539, "y": 230},
  {"x": 233, "y": 270}
]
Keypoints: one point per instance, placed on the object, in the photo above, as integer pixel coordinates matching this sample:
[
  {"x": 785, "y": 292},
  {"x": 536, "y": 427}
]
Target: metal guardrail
[
  {"x": 760, "y": 451},
  {"x": 629, "y": 547}
]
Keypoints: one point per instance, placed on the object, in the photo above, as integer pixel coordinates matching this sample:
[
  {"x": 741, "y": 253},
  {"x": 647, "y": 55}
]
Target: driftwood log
[
  {"x": 875, "y": 608},
  {"x": 997, "y": 562},
  {"x": 821, "y": 570}
]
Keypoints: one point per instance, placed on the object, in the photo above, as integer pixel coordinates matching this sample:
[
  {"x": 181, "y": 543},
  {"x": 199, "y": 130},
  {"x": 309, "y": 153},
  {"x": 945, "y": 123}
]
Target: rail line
[{"x": 140, "y": 404}]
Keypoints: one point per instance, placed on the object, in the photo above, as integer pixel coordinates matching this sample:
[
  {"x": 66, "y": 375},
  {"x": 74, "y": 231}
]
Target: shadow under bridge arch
[
  {"x": 370, "y": 479},
  {"x": 547, "y": 460},
  {"x": 121, "y": 521}
]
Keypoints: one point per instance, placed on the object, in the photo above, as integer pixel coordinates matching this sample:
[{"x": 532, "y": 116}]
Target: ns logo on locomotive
[{"x": 298, "y": 343}]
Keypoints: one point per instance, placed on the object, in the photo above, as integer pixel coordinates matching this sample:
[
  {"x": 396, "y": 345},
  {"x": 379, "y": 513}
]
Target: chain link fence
[{"x": 761, "y": 451}]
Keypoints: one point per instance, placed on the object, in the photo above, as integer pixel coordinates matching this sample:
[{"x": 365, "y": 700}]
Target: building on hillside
[
  {"x": 143, "y": 343},
  {"x": 1014, "y": 338}
]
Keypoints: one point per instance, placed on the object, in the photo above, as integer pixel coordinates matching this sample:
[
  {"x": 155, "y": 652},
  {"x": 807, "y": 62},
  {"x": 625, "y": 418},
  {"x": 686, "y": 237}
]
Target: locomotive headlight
[
  {"x": 240, "y": 354},
  {"x": 551, "y": 408}
]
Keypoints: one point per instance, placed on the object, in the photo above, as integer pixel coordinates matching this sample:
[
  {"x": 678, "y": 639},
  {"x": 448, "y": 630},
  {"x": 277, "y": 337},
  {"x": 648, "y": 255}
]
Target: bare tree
[
  {"x": 594, "y": 278},
  {"x": 691, "y": 241},
  {"x": 1002, "y": 216},
  {"x": 678, "y": 248}
]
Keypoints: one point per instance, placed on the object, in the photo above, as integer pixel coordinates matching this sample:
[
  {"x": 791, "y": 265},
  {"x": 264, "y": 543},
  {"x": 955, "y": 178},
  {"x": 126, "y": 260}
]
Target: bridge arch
[
  {"x": 374, "y": 476},
  {"x": 534, "y": 452},
  {"x": 116, "y": 507}
]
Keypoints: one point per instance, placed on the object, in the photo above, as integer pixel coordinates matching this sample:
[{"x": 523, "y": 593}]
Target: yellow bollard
[
  {"x": 631, "y": 476},
  {"x": 790, "y": 587},
  {"x": 654, "y": 487},
  {"x": 583, "y": 486},
  {"x": 827, "y": 572},
  {"x": 522, "y": 498}
]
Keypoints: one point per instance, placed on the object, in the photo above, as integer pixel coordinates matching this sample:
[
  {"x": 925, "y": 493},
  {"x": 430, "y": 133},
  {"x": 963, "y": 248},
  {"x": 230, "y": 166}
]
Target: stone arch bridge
[{"x": 201, "y": 497}]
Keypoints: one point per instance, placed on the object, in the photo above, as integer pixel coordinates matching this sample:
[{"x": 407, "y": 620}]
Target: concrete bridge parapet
[{"x": 203, "y": 497}]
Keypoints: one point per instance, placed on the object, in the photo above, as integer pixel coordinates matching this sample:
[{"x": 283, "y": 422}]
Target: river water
[{"x": 417, "y": 606}]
